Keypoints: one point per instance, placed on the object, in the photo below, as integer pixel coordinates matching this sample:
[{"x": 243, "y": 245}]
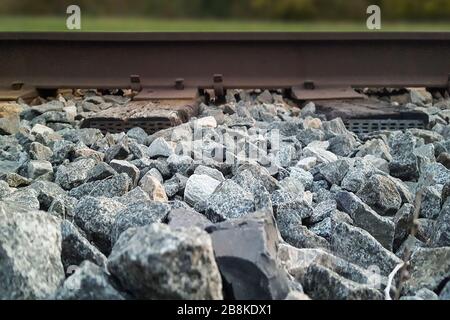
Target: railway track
[{"x": 183, "y": 66}]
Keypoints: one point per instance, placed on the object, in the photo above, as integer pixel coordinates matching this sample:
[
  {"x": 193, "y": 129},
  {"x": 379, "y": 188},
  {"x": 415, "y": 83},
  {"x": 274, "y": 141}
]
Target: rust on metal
[{"x": 153, "y": 61}]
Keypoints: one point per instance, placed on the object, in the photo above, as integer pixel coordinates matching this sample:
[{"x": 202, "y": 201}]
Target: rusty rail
[{"x": 177, "y": 65}]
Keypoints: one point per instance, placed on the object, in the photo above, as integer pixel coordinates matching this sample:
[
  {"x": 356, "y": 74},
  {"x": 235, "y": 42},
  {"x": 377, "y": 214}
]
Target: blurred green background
[{"x": 225, "y": 15}]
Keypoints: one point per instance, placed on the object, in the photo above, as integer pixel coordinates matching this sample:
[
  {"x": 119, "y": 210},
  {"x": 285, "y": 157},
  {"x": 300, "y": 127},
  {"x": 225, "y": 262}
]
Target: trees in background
[{"x": 255, "y": 9}]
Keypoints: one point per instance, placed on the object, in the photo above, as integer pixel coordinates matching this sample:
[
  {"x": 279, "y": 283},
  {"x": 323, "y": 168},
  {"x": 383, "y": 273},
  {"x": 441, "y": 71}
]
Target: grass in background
[{"x": 91, "y": 24}]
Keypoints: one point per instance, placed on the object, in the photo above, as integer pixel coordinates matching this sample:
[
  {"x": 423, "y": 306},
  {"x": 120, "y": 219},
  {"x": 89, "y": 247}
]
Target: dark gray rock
[
  {"x": 381, "y": 228},
  {"x": 408, "y": 246},
  {"x": 186, "y": 218},
  {"x": 404, "y": 164},
  {"x": 89, "y": 282},
  {"x": 441, "y": 232},
  {"x": 343, "y": 145},
  {"x": 228, "y": 201},
  {"x": 114, "y": 187},
  {"x": 358, "y": 246},
  {"x": 403, "y": 220},
  {"x": 88, "y": 136},
  {"x": 380, "y": 193},
  {"x": 425, "y": 229},
  {"x": 181, "y": 164},
  {"x": 101, "y": 171},
  {"x": 357, "y": 175},
  {"x": 157, "y": 262},
  {"x": 433, "y": 174},
  {"x": 30, "y": 254},
  {"x": 74, "y": 174},
  {"x": 135, "y": 195},
  {"x": 445, "y": 293},
  {"x": 118, "y": 151},
  {"x": 138, "y": 214},
  {"x": 96, "y": 216},
  {"x": 122, "y": 166},
  {"x": 335, "y": 172},
  {"x": 137, "y": 134},
  {"x": 430, "y": 206},
  {"x": 324, "y": 284},
  {"x": 62, "y": 150},
  {"x": 261, "y": 174},
  {"x": 246, "y": 251},
  {"x": 76, "y": 248},
  {"x": 430, "y": 268}
]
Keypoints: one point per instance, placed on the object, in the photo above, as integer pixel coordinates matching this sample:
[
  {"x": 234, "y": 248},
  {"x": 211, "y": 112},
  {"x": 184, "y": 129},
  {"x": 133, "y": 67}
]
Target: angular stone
[
  {"x": 357, "y": 175},
  {"x": 445, "y": 293},
  {"x": 138, "y": 214},
  {"x": 89, "y": 282},
  {"x": 321, "y": 154},
  {"x": 135, "y": 195},
  {"x": 430, "y": 268},
  {"x": 76, "y": 248},
  {"x": 246, "y": 251},
  {"x": 408, "y": 246},
  {"x": 154, "y": 188},
  {"x": 229, "y": 201},
  {"x": 40, "y": 152},
  {"x": 37, "y": 168},
  {"x": 343, "y": 145},
  {"x": 157, "y": 262},
  {"x": 404, "y": 164},
  {"x": 88, "y": 136},
  {"x": 334, "y": 172},
  {"x": 199, "y": 188},
  {"x": 303, "y": 176},
  {"x": 30, "y": 254},
  {"x": 298, "y": 261},
  {"x": 358, "y": 246},
  {"x": 441, "y": 232},
  {"x": 444, "y": 159},
  {"x": 138, "y": 134},
  {"x": 119, "y": 151},
  {"x": 403, "y": 220},
  {"x": 186, "y": 218},
  {"x": 433, "y": 174},
  {"x": 26, "y": 198},
  {"x": 425, "y": 229},
  {"x": 101, "y": 171},
  {"x": 96, "y": 216},
  {"x": 261, "y": 174},
  {"x": 323, "y": 284},
  {"x": 117, "y": 186},
  {"x": 122, "y": 166},
  {"x": 381, "y": 228},
  {"x": 15, "y": 180},
  {"x": 181, "y": 164},
  {"x": 375, "y": 147},
  {"x": 161, "y": 148},
  {"x": 213, "y": 173},
  {"x": 74, "y": 174},
  {"x": 380, "y": 193},
  {"x": 430, "y": 206}
]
